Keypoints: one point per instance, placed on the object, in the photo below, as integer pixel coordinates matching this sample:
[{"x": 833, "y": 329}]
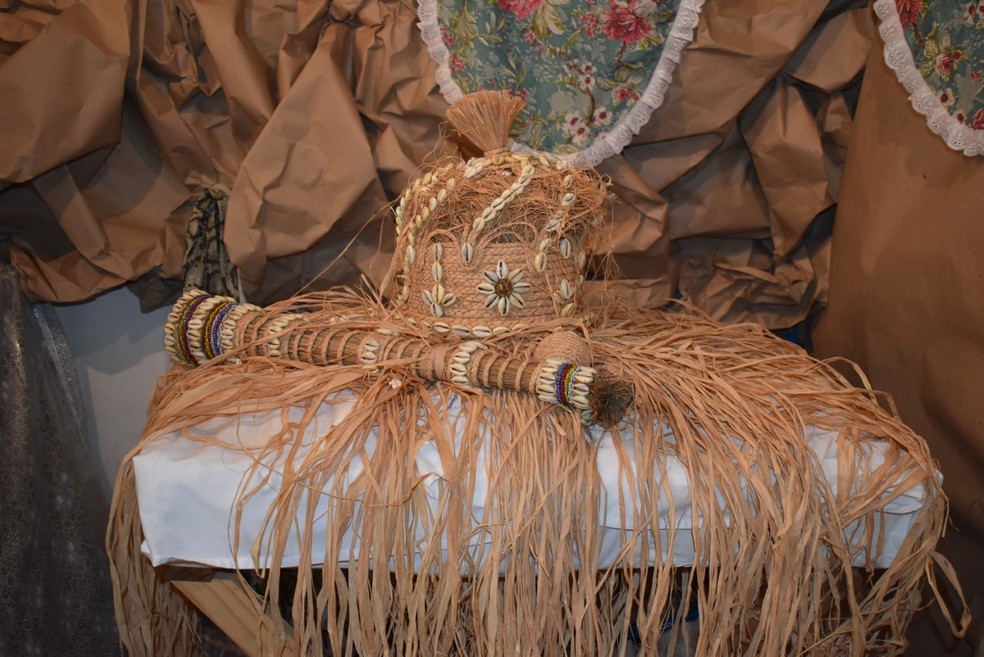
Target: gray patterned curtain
[{"x": 55, "y": 592}]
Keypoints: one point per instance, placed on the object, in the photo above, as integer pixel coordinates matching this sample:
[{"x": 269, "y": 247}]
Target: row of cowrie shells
[
  {"x": 546, "y": 388},
  {"x": 564, "y": 295},
  {"x": 474, "y": 167},
  {"x": 437, "y": 269},
  {"x": 195, "y": 325},
  {"x": 555, "y": 224},
  {"x": 413, "y": 229},
  {"x": 276, "y": 326},
  {"x": 460, "y": 360},
  {"x": 514, "y": 190},
  {"x": 437, "y": 297},
  {"x": 227, "y": 335},
  {"x": 369, "y": 354},
  {"x": 405, "y": 197},
  {"x": 178, "y": 309},
  {"x": 174, "y": 319},
  {"x": 174, "y": 316},
  {"x": 194, "y": 333},
  {"x": 468, "y": 331}
]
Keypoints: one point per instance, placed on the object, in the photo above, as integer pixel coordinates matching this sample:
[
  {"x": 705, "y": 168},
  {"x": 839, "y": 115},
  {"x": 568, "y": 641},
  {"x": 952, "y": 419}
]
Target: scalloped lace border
[
  {"x": 681, "y": 33},
  {"x": 924, "y": 100}
]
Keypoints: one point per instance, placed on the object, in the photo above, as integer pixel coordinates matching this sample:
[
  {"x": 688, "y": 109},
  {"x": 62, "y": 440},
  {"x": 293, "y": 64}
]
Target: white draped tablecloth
[{"x": 187, "y": 492}]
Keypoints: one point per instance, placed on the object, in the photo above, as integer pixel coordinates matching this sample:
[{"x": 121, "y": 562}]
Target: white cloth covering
[{"x": 187, "y": 492}]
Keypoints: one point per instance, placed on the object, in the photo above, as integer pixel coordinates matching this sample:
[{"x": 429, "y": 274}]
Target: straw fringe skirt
[{"x": 774, "y": 548}]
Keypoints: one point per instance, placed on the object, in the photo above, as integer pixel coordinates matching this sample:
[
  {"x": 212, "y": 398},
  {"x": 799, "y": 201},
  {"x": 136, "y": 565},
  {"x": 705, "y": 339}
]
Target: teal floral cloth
[
  {"x": 936, "y": 48},
  {"x": 590, "y": 71}
]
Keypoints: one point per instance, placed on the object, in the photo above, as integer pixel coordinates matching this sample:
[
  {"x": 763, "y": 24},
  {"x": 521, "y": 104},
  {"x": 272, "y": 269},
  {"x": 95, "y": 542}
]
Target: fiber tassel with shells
[{"x": 491, "y": 257}]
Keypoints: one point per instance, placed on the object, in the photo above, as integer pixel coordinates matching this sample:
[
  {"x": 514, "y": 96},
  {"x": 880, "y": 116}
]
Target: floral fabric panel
[
  {"x": 590, "y": 71},
  {"x": 936, "y": 48}
]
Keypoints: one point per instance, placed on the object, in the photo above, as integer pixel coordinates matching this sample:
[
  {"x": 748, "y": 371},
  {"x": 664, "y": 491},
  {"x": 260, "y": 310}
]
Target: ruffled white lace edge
[
  {"x": 924, "y": 100},
  {"x": 612, "y": 142}
]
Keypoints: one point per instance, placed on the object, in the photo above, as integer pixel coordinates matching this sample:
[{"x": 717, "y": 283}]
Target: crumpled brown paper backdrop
[
  {"x": 315, "y": 114},
  {"x": 906, "y": 304}
]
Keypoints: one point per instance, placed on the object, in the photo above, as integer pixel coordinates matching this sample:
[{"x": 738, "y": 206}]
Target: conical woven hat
[{"x": 500, "y": 242}]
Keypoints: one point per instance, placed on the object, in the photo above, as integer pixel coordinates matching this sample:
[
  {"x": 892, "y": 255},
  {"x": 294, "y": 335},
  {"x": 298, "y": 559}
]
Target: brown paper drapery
[
  {"x": 905, "y": 303},
  {"x": 315, "y": 116}
]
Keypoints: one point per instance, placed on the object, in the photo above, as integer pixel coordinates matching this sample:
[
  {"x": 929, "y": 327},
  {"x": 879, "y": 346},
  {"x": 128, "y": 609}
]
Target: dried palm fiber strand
[{"x": 517, "y": 572}]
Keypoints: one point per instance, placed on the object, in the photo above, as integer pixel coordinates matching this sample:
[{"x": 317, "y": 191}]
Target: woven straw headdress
[{"x": 500, "y": 242}]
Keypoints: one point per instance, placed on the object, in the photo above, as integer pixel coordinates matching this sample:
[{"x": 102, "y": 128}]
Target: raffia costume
[{"x": 487, "y": 349}]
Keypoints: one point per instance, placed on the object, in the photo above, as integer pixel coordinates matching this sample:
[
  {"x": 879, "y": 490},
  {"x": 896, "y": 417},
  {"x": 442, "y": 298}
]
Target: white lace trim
[
  {"x": 924, "y": 100},
  {"x": 613, "y": 141}
]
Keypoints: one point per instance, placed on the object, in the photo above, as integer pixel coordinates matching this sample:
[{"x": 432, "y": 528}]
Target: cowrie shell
[{"x": 566, "y": 292}]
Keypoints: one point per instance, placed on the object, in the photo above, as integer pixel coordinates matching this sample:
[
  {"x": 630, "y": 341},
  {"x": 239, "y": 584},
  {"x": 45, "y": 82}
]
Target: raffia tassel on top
[{"x": 485, "y": 118}]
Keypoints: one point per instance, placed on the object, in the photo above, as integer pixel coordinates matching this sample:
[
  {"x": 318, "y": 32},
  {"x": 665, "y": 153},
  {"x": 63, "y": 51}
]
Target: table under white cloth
[{"x": 187, "y": 491}]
